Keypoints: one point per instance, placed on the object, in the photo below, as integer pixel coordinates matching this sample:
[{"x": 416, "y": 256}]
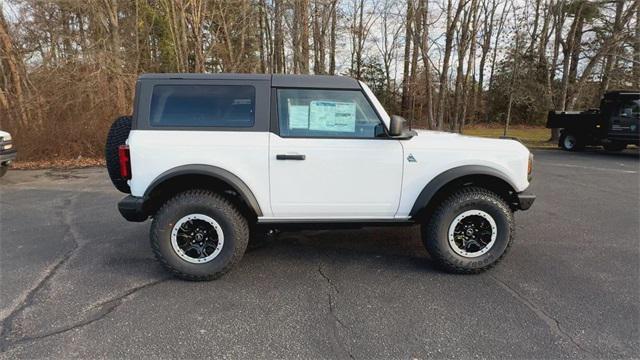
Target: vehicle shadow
[{"x": 390, "y": 247}]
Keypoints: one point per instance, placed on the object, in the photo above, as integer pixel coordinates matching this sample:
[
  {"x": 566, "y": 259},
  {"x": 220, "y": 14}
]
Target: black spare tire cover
[{"x": 118, "y": 134}]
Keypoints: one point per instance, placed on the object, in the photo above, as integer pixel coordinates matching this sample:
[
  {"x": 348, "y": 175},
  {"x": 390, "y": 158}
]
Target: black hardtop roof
[{"x": 277, "y": 80}]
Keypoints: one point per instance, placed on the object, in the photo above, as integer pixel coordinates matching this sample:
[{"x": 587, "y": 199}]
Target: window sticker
[
  {"x": 332, "y": 116},
  {"x": 298, "y": 116}
]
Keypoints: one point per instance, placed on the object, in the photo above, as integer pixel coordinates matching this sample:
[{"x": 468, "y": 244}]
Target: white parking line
[{"x": 593, "y": 168}]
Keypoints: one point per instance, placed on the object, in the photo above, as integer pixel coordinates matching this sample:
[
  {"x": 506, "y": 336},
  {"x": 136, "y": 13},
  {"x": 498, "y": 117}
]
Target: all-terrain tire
[
  {"x": 118, "y": 134},
  {"x": 233, "y": 224},
  {"x": 435, "y": 232}
]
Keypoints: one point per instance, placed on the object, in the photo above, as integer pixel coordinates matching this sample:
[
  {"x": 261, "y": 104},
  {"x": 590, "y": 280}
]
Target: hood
[{"x": 442, "y": 139}]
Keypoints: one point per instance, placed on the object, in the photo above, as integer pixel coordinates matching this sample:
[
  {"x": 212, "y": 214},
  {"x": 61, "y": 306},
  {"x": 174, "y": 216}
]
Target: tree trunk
[
  {"x": 609, "y": 43},
  {"x": 568, "y": 51},
  {"x": 534, "y": 33},
  {"x": 486, "y": 46},
  {"x": 278, "y": 46},
  {"x": 304, "y": 36},
  {"x": 444, "y": 73},
  {"x": 559, "y": 15},
  {"x": 360, "y": 38},
  {"x": 117, "y": 62},
  {"x": 576, "y": 48},
  {"x": 469, "y": 85},
  {"x": 263, "y": 38},
  {"x": 611, "y": 58},
  {"x": 495, "y": 51},
  {"x": 417, "y": 26},
  {"x": 514, "y": 77},
  {"x": 318, "y": 39},
  {"x": 332, "y": 37},
  {"x": 427, "y": 66},
  {"x": 14, "y": 83},
  {"x": 404, "y": 105}
]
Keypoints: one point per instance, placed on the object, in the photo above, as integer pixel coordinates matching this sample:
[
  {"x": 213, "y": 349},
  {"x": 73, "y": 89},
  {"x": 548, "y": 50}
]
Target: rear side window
[{"x": 203, "y": 105}]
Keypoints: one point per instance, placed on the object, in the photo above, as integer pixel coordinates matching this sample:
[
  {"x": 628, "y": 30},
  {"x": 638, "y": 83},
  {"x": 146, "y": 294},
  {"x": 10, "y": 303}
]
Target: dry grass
[
  {"x": 529, "y": 135},
  {"x": 58, "y": 164}
]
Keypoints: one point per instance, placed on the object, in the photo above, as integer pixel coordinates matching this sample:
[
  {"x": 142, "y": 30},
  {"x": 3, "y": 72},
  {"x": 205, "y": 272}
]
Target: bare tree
[
  {"x": 426, "y": 59},
  {"x": 408, "y": 38},
  {"x": 452, "y": 59},
  {"x": 489, "y": 12},
  {"x": 453, "y": 17},
  {"x": 388, "y": 43},
  {"x": 514, "y": 71},
  {"x": 278, "y": 46},
  {"x": 332, "y": 37}
]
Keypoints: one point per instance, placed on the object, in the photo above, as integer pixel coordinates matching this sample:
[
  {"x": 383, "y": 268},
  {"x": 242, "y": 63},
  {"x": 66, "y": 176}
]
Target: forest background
[{"x": 68, "y": 67}]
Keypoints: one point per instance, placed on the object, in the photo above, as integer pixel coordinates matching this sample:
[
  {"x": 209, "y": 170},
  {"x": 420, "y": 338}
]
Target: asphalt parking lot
[{"x": 78, "y": 281}]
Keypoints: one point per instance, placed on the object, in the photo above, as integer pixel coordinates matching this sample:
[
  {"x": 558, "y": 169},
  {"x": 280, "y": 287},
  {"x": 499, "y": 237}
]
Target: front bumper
[
  {"x": 525, "y": 200},
  {"x": 132, "y": 208},
  {"x": 6, "y": 156}
]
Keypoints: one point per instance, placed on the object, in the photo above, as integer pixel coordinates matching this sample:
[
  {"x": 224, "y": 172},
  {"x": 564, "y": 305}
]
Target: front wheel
[
  {"x": 3, "y": 169},
  {"x": 199, "y": 235},
  {"x": 470, "y": 231}
]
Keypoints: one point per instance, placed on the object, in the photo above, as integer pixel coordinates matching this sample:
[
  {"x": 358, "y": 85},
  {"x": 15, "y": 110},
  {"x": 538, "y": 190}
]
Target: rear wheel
[
  {"x": 470, "y": 231},
  {"x": 199, "y": 235},
  {"x": 570, "y": 142}
]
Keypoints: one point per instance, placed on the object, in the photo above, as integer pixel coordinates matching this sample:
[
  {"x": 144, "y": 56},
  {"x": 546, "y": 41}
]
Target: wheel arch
[
  {"x": 447, "y": 182},
  {"x": 204, "y": 176}
]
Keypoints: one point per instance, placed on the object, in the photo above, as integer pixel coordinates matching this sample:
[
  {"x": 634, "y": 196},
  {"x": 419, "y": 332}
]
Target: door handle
[{"x": 290, "y": 157}]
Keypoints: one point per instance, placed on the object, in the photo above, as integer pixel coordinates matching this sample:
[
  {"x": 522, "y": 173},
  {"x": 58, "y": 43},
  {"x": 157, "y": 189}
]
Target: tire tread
[
  {"x": 223, "y": 204},
  {"x": 430, "y": 234}
]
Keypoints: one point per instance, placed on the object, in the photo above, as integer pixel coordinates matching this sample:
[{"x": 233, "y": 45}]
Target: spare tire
[{"x": 117, "y": 136}]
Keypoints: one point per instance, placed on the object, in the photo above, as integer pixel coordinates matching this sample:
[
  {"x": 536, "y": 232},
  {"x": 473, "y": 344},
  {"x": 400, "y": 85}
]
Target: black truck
[{"x": 614, "y": 126}]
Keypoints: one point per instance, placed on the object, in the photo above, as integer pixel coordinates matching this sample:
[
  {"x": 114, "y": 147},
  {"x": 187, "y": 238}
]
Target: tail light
[{"x": 125, "y": 162}]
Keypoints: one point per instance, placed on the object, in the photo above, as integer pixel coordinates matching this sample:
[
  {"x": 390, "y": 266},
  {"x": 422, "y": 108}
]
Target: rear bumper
[
  {"x": 525, "y": 200},
  {"x": 132, "y": 208},
  {"x": 7, "y": 156}
]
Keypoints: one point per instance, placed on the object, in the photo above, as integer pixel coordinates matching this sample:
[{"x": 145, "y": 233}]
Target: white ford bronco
[{"x": 219, "y": 161}]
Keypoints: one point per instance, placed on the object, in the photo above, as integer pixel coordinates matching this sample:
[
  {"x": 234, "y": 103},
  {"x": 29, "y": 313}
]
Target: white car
[
  {"x": 219, "y": 159},
  {"x": 7, "y": 152}
]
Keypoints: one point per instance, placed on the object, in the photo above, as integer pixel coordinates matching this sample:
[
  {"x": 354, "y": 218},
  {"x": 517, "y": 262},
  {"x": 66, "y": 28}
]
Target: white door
[{"x": 331, "y": 158}]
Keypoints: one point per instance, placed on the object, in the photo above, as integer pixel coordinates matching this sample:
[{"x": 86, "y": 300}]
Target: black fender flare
[
  {"x": 446, "y": 177},
  {"x": 213, "y": 171}
]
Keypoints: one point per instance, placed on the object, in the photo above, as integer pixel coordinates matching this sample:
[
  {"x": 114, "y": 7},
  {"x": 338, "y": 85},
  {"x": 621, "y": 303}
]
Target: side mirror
[{"x": 396, "y": 128}]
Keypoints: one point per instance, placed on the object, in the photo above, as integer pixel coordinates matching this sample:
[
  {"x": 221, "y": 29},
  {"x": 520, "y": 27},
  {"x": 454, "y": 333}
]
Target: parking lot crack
[
  {"x": 30, "y": 296},
  {"x": 103, "y": 309},
  {"x": 552, "y": 323},
  {"x": 332, "y": 308}
]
